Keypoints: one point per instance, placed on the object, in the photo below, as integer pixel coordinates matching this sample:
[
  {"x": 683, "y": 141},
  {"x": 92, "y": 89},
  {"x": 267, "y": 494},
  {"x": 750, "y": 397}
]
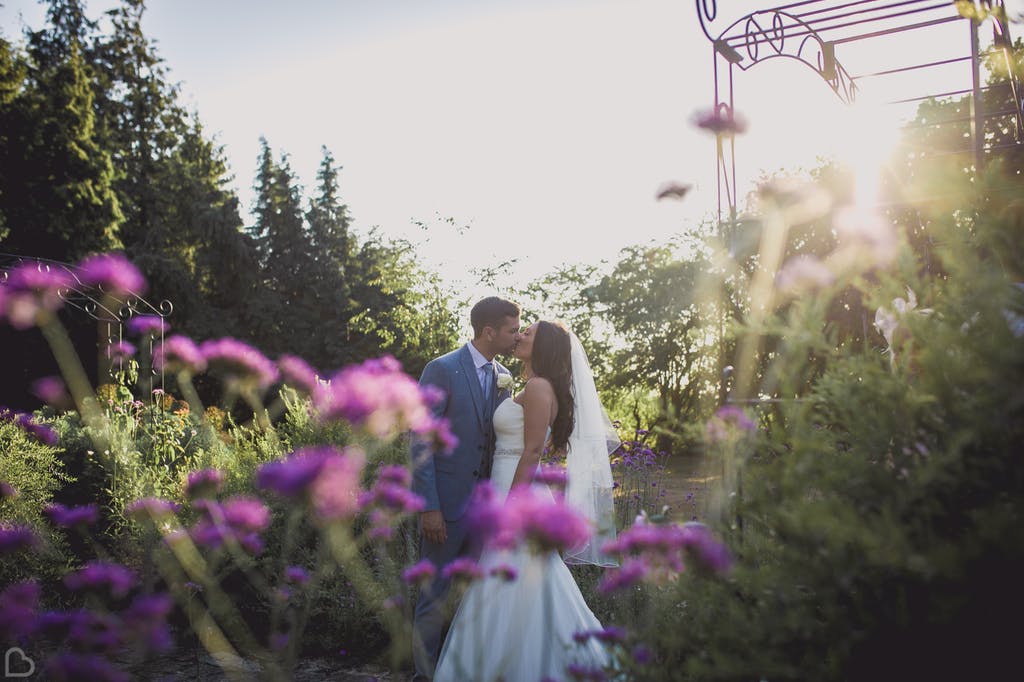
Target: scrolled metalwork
[{"x": 778, "y": 31}]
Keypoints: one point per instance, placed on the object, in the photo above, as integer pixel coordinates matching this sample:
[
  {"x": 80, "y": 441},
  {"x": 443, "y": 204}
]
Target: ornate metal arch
[{"x": 109, "y": 310}]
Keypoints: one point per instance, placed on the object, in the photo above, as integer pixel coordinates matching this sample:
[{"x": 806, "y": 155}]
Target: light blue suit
[{"x": 446, "y": 482}]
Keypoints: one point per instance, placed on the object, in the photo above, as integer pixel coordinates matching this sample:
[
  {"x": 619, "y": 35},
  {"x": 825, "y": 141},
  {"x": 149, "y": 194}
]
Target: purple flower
[
  {"x": 150, "y": 508},
  {"x": 463, "y": 568},
  {"x": 51, "y": 390},
  {"x": 89, "y": 630},
  {"x": 145, "y": 621},
  {"x": 393, "y": 497},
  {"x": 378, "y": 397},
  {"x": 204, "y": 483},
  {"x": 69, "y": 517},
  {"x": 727, "y": 422},
  {"x": 101, "y": 574},
  {"x": 720, "y": 121},
  {"x": 179, "y": 353},
  {"x": 120, "y": 350},
  {"x": 396, "y": 474},
  {"x": 246, "y": 513},
  {"x": 147, "y": 325},
  {"x": 7, "y": 491},
  {"x": 803, "y": 272},
  {"x": 642, "y": 654},
  {"x": 506, "y": 572},
  {"x": 629, "y": 574},
  {"x": 544, "y": 523},
  {"x": 611, "y": 634},
  {"x": 335, "y": 493},
  {"x": 420, "y": 573},
  {"x": 239, "y": 361},
  {"x": 112, "y": 273},
  {"x": 18, "y": 605},
  {"x": 296, "y": 575},
  {"x": 705, "y": 552},
  {"x": 238, "y": 519},
  {"x": 294, "y": 475},
  {"x": 554, "y": 476},
  {"x": 72, "y": 667},
  {"x": 41, "y": 432},
  {"x": 32, "y": 289},
  {"x": 297, "y": 373},
  {"x": 16, "y": 538}
]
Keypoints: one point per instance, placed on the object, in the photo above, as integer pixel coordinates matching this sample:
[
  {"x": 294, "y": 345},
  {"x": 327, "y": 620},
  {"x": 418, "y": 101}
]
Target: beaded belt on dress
[{"x": 507, "y": 452}]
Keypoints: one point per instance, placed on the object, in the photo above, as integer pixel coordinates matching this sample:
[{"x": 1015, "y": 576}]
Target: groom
[{"x": 468, "y": 378}]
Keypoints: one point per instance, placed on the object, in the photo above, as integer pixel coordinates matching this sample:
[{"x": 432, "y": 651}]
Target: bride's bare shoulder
[{"x": 538, "y": 386}]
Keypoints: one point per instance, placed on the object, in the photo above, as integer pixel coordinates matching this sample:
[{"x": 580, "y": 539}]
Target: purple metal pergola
[{"x": 816, "y": 33}]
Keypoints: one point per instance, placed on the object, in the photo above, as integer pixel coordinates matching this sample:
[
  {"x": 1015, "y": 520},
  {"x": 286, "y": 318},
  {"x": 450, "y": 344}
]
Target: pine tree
[{"x": 59, "y": 200}]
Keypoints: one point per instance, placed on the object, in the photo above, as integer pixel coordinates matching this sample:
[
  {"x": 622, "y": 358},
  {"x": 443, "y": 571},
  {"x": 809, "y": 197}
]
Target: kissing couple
[{"x": 516, "y": 623}]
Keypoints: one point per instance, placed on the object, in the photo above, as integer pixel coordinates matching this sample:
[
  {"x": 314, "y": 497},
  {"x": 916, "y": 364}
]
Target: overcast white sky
[{"x": 545, "y": 126}]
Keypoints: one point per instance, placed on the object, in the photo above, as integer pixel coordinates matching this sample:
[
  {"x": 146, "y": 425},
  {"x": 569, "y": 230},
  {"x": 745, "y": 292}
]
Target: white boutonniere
[{"x": 505, "y": 381}]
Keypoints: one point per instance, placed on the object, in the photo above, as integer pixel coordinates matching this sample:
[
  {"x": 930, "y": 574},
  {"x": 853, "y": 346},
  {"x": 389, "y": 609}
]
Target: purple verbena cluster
[
  {"x": 27, "y": 423},
  {"x": 658, "y": 552},
  {"x": 530, "y": 515},
  {"x": 378, "y": 397},
  {"x": 238, "y": 361}
]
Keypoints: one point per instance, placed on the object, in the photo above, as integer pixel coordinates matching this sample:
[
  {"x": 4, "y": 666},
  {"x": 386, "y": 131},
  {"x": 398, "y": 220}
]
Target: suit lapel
[{"x": 469, "y": 371}]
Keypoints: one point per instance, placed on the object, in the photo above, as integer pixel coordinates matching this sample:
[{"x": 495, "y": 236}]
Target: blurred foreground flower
[
  {"x": 720, "y": 120},
  {"x": 113, "y": 274},
  {"x": 32, "y": 289},
  {"x": 728, "y": 422},
  {"x": 529, "y": 516},
  {"x": 659, "y": 552},
  {"x": 179, "y": 353},
  {"x": 384, "y": 401},
  {"x": 147, "y": 325},
  {"x": 673, "y": 190},
  {"x": 803, "y": 273},
  {"x": 239, "y": 362}
]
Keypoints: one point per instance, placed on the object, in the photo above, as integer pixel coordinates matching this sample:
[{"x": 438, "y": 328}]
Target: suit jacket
[{"x": 445, "y": 482}]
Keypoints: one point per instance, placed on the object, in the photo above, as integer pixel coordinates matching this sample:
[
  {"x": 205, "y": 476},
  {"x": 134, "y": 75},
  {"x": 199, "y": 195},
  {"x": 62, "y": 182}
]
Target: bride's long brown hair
[{"x": 552, "y": 359}]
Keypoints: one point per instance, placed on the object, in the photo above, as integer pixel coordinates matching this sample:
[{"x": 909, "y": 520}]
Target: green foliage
[
  {"x": 37, "y": 473},
  {"x": 877, "y": 529}
]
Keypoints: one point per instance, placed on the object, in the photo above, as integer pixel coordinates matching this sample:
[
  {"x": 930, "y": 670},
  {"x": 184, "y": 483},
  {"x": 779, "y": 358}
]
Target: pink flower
[
  {"x": 113, "y": 274},
  {"x": 728, "y": 422},
  {"x": 297, "y": 373},
  {"x": 147, "y": 325},
  {"x": 239, "y": 361},
  {"x": 631, "y": 573},
  {"x": 379, "y": 398},
  {"x": 52, "y": 390},
  {"x": 463, "y": 568},
  {"x": 204, "y": 483},
  {"x": 420, "y": 573},
  {"x": 120, "y": 350},
  {"x": 31, "y": 289},
  {"x": 179, "y": 353},
  {"x": 335, "y": 492}
]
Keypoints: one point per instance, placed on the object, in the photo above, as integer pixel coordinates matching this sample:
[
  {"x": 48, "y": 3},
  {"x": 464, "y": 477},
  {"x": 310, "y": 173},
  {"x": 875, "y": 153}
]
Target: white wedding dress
[{"x": 520, "y": 630}]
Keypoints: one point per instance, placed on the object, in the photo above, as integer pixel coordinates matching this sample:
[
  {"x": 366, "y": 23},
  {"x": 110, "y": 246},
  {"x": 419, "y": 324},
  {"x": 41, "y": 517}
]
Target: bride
[{"x": 519, "y": 621}]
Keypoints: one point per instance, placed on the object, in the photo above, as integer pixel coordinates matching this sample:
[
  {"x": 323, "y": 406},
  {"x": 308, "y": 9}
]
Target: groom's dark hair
[{"x": 491, "y": 312}]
